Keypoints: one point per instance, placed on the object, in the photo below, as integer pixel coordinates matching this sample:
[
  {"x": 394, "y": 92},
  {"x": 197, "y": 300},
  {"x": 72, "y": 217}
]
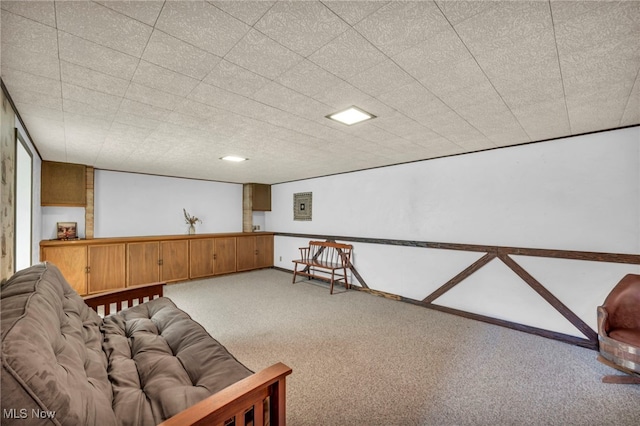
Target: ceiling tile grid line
[{"x": 119, "y": 79}]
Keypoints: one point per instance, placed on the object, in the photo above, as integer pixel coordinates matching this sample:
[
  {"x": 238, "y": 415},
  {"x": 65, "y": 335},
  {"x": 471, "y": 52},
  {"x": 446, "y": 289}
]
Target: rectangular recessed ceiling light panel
[
  {"x": 351, "y": 115},
  {"x": 233, "y": 158}
]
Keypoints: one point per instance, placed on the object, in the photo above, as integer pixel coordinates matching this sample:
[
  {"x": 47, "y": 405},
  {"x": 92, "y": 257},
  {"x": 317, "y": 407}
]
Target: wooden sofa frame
[
  {"x": 259, "y": 399},
  {"x": 325, "y": 257}
]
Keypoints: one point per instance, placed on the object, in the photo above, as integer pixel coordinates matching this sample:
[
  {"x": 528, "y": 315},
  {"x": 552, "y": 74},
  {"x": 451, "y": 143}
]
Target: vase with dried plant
[{"x": 191, "y": 221}]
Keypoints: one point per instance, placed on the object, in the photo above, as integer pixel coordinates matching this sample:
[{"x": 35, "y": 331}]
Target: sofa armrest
[
  {"x": 138, "y": 293},
  {"x": 235, "y": 400}
]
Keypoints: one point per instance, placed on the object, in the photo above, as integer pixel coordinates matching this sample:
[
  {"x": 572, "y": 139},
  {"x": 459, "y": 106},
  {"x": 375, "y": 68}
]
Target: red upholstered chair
[{"x": 619, "y": 330}]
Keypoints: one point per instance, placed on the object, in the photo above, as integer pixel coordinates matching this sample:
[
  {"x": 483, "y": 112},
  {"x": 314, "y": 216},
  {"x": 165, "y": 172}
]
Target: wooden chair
[
  {"x": 619, "y": 330},
  {"x": 326, "y": 261}
]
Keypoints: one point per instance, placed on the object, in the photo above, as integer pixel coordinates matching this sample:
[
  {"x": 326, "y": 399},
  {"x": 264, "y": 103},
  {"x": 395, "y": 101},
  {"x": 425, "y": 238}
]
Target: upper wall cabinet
[
  {"x": 63, "y": 184},
  {"x": 261, "y": 197}
]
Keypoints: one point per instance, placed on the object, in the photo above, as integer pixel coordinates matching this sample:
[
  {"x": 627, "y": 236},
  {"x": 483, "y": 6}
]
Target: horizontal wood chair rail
[
  {"x": 633, "y": 259},
  {"x": 138, "y": 293},
  {"x": 240, "y": 397},
  {"x": 324, "y": 257}
]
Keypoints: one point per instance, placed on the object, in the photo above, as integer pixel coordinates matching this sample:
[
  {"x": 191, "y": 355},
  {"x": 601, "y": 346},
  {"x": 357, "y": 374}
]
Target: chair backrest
[
  {"x": 330, "y": 252},
  {"x": 623, "y": 304}
]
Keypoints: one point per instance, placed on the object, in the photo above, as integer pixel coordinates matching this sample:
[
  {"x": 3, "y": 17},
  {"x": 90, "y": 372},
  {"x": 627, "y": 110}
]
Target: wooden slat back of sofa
[{"x": 125, "y": 298}]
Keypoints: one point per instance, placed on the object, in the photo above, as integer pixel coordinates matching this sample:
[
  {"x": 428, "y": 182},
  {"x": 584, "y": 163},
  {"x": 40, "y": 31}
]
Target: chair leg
[
  {"x": 295, "y": 272},
  {"x": 332, "y": 280},
  {"x": 347, "y": 286}
]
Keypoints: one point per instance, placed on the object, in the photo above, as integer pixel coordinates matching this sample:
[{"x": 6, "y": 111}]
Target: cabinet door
[
  {"x": 264, "y": 248},
  {"x": 106, "y": 267},
  {"x": 201, "y": 257},
  {"x": 225, "y": 255},
  {"x": 174, "y": 260},
  {"x": 143, "y": 263},
  {"x": 72, "y": 262},
  {"x": 245, "y": 253}
]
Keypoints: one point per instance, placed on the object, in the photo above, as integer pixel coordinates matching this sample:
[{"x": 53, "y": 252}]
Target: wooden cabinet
[
  {"x": 106, "y": 265},
  {"x": 155, "y": 261},
  {"x": 224, "y": 255},
  {"x": 201, "y": 258},
  {"x": 174, "y": 260},
  {"x": 264, "y": 246},
  {"x": 63, "y": 184},
  {"x": 143, "y": 263},
  {"x": 89, "y": 268},
  {"x": 72, "y": 262},
  {"x": 260, "y": 197},
  {"x": 253, "y": 252},
  {"x": 212, "y": 256}
]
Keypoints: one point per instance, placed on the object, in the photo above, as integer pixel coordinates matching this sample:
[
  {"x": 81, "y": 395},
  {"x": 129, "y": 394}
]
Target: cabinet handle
[
  {"x": 87, "y": 269},
  {"x": 160, "y": 262},
  {"x": 256, "y": 252},
  {"x": 215, "y": 256}
]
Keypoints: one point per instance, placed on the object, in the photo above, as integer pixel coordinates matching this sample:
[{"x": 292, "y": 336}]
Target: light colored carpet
[{"x": 359, "y": 359}]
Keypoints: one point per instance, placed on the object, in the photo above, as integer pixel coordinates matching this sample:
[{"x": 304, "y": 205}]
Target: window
[{"x": 24, "y": 197}]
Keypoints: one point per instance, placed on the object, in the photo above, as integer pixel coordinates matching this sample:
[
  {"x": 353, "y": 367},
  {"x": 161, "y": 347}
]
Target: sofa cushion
[
  {"x": 161, "y": 362},
  {"x": 53, "y": 368}
]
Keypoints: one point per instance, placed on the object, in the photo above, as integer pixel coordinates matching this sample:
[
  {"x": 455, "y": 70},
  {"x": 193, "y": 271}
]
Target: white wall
[
  {"x": 579, "y": 193},
  {"x": 130, "y": 204}
]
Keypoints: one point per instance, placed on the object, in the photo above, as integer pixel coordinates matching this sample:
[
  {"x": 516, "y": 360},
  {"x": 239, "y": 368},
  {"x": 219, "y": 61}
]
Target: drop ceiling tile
[
  {"x": 90, "y": 79},
  {"x": 219, "y": 98},
  {"x": 354, "y": 11},
  {"x": 88, "y": 110},
  {"x": 40, "y": 111},
  {"x": 612, "y": 22},
  {"x": 308, "y": 79},
  {"x": 29, "y": 35},
  {"x": 590, "y": 116},
  {"x": 103, "y": 26},
  {"x": 529, "y": 58},
  {"x": 459, "y": 11},
  {"x": 247, "y": 11},
  {"x": 347, "y": 55},
  {"x": 235, "y": 78},
  {"x": 31, "y": 62},
  {"x": 503, "y": 26},
  {"x": 146, "y": 11},
  {"x": 258, "y": 53},
  {"x": 125, "y": 133},
  {"x": 303, "y": 27},
  {"x": 543, "y": 120},
  {"x": 342, "y": 96},
  {"x": 631, "y": 113},
  {"x": 398, "y": 26},
  {"x": 382, "y": 78},
  {"x": 159, "y": 78},
  {"x": 176, "y": 55},
  {"x": 415, "y": 101},
  {"x": 143, "y": 110},
  {"x": 125, "y": 117},
  {"x": 564, "y": 10},
  {"x": 151, "y": 96},
  {"x": 18, "y": 81},
  {"x": 278, "y": 96},
  {"x": 202, "y": 25},
  {"x": 96, "y": 57},
  {"x": 33, "y": 98},
  {"x": 40, "y": 11},
  {"x": 456, "y": 77},
  {"x": 91, "y": 97},
  {"x": 433, "y": 54}
]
